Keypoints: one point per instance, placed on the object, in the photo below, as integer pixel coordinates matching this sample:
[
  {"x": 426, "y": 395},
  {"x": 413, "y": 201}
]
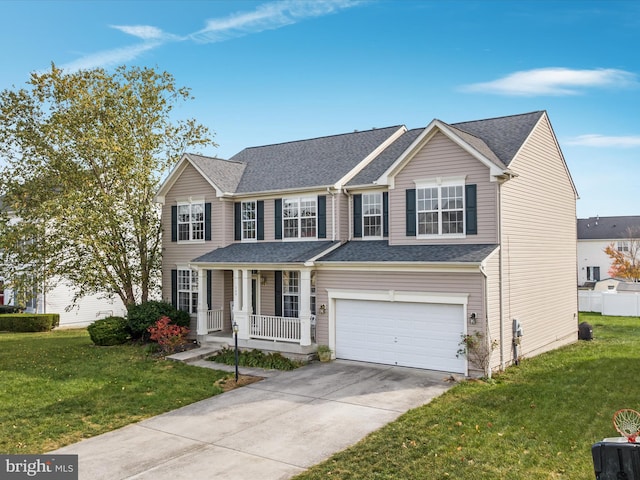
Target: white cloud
[
  {"x": 630, "y": 141},
  {"x": 145, "y": 32},
  {"x": 269, "y": 16},
  {"x": 110, "y": 58},
  {"x": 554, "y": 81}
]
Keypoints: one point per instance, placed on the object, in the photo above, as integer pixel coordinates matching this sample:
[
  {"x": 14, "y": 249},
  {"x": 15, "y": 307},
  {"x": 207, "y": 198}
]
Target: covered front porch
[{"x": 260, "y": 322}]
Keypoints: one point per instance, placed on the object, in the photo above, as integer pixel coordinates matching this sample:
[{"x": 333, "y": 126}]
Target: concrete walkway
[{"x": 272, "y": 429}]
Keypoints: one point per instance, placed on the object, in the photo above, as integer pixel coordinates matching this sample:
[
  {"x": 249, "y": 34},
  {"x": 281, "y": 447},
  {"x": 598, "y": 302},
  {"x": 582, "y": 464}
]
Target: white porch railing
[
  {"x": 267, "y": 327},
  {"x": 214, "y": 320}
]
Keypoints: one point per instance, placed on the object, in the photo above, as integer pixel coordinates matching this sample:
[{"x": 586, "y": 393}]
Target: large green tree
[{"x": 84, "y": 154}]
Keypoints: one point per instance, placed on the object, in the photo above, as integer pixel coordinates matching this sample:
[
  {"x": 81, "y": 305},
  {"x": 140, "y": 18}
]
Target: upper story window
[
  {"x": 623, "y": 246},
  {"x": 372, "y": 215},
  {"x": 299, "y": 217},
  {"x": 440, "y": 208},
  {"x": 249, "y": 220},
  {"x": 191, "y": 221}
]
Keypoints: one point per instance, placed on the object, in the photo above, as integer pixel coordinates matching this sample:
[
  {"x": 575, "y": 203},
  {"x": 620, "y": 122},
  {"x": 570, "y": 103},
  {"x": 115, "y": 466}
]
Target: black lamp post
[{"x": 235, "y": 335}]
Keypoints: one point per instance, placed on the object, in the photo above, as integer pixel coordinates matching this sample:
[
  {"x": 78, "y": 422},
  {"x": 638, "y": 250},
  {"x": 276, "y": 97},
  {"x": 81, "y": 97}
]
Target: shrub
[
  {"x": 10, "y": 309},
  {"x": 255, "y": 358},
  {"x": 29, "y": 322},
  {"x": 109, "y": 331},
  {"x": 141, "y": 317},
  {"x": 168, "y": 336}
]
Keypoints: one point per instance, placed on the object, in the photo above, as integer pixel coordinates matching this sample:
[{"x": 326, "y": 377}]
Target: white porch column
[
  {"x": 239, "y": 304},
  {"x": 243, "y": 322},
  {"x": 304, "y": 312},
  {"x": 202, "y": 303}
]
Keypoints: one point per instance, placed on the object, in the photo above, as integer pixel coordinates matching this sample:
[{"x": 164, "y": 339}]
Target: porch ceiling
[{"x": 266, "y": 252}]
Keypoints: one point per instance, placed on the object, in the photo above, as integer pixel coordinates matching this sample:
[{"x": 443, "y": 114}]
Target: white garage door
[{"x": 422, "y": 335}]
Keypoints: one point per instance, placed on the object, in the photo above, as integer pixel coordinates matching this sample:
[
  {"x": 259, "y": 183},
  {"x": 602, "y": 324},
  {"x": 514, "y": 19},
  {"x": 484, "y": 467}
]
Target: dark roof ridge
[{"x": 325, "y": 136}]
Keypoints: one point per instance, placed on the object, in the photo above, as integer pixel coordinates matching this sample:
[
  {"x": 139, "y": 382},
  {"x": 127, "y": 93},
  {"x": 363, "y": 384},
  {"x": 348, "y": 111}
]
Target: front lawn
[
  {"x": 57, "y": 388},
  {"x": 535, "y": 421}
]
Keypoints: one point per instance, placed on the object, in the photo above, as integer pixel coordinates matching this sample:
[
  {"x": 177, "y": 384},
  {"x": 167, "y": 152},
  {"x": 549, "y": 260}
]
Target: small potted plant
[{"x": 324, "y": 353}]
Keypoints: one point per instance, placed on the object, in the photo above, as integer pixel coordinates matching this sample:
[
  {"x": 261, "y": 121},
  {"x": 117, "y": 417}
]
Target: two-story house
[
  {"x": 594, "y": 235},
  {"x": 387, "y": 245}
]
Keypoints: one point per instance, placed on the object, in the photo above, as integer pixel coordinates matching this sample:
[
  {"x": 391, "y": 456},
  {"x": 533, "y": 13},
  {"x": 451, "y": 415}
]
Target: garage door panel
[{"x": 400, "y": 333}]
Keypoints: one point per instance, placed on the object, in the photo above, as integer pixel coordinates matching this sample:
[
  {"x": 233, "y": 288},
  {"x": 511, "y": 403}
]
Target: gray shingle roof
[
  {"x": 379, "y": 165},
  {"x": 225, "y": 174},
  {"x": 503, "y": 135},
  {"x": 266, "y": 252},
  {"x": 607, "y": 228},
  {"x": 380, "y": 251},
  {"x": 307, "y": 163}
]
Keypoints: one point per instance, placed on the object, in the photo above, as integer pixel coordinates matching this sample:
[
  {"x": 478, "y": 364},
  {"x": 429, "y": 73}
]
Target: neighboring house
[
  {"x": 387, "y": 245},
  {"x": 594, "y": 235},
  {"x": 59, "y": 299},
  {"x": 54, "y": 295}
]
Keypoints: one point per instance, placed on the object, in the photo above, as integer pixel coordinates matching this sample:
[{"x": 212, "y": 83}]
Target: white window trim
[
  {"x": 373, "y": 237},
  {"x": 242, "y": 221},
  {"x": 194, "y": 274},
  {"x": 439, "y": 182},
  {"x": 299, "y": 201},
  {"x": 190, "y": 203}
]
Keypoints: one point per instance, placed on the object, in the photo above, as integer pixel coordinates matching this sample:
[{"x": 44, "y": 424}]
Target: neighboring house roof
[
  {"x": 607, "y": 228},
  {"x": 267, "y": 252},
  {"x": 307, "y": 163},
  {"x": 503, "y": 135},
  {"x": 628, "y": 287},
  {"x": 381, "y": 251}
]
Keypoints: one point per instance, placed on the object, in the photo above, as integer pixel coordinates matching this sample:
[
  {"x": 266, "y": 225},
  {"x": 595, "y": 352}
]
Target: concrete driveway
[{"x": 272, "y": 429}]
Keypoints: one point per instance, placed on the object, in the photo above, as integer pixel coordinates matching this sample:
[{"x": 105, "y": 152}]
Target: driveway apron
[{"x": 272, "y": 429}]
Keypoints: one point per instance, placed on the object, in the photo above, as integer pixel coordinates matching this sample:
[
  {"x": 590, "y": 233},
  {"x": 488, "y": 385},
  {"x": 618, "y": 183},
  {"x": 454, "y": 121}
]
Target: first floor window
[
  {"x": 290, "y": 293},
  {"x": 191, "y": 221},
  {"x": 372, "y": 215},
  {"x": 593, "y": 274},
  {"x": 299, "y": 217},
  {"x": 440, "y": 210},
  {"x": 188, "y": 290}
]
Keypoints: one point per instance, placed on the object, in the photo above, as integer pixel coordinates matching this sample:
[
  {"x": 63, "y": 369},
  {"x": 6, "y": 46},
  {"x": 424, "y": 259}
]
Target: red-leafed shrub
[{"x": 169, "y": 336}]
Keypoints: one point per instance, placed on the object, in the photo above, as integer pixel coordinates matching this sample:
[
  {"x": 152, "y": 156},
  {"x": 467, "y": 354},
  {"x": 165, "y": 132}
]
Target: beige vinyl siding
[
  {"x": 539, "y": 245},
  {"x": 469, "y": 283},
  {"x": 492, "y": 312},
  {"x": 189, "y": 184},
  {"x": 441, "y": 157}
]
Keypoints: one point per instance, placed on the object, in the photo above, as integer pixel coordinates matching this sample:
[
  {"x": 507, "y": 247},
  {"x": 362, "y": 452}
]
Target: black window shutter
[
  {"x": 174, "y": 288},
  {"x": 260, "y": 219},
  {"x": 385, "y": 214},
  {"x": 174, "y": 223},
  {"x": 237, "y": 221},
  {"x": 322, "y": 216},
  {"x": 357, "y": 216},
  {"x": 411, "y": 212},
  {"x": 278, "y": 217},
  {"x": 278, "y": 294},
  {"x": 209, "y": 290},
  {"x": 207, "y": 221},
  {"x": 471, "y": 206}
]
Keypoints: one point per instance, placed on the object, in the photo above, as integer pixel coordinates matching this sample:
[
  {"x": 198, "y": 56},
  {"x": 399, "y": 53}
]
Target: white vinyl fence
[{"x": 610, "y": 303}]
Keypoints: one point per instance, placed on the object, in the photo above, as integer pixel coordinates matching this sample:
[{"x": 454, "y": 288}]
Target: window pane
[
  {"x": 372, "y": 214},
  {"x": 249, "y": 220},
  {"x": 428, "y": 223}
]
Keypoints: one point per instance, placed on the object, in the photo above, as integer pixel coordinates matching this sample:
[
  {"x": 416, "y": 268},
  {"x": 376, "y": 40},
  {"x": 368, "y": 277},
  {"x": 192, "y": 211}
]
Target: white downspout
[{"x": 502, "y": 362}]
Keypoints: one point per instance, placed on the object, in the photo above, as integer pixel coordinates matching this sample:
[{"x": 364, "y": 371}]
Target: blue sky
[{"x": 274, "y": 71}]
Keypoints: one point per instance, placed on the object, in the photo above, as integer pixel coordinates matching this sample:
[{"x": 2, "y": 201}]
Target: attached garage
[{"x": 410, "y": 334}]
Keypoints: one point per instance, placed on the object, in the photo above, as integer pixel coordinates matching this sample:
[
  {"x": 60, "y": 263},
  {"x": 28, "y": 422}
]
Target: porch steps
[{"x": 196, "y": 354}]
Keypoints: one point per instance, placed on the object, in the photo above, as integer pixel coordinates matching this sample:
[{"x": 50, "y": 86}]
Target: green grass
[
  {"x": 58, "y": 388},
  {"x": 535, "y": 421}
]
